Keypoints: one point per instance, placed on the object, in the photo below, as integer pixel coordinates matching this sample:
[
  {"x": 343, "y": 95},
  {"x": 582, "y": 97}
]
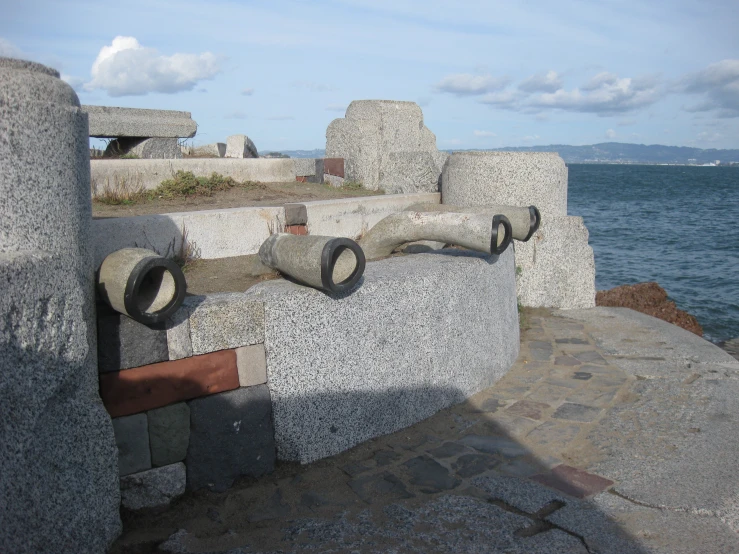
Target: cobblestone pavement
[{"x": 596, "y": 440}]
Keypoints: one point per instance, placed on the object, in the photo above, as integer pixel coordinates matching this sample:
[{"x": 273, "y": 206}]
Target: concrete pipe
[
  {"x": 524, "y": 221},
  {"x": 326, "y": 263},
  {"x": 141, "y": 284},
  {"x": 480, "y": 232}
]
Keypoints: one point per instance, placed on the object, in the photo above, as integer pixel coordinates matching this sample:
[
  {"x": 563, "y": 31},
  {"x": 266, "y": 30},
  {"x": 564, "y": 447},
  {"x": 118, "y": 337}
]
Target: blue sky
[{"x": 486, "y": 74}]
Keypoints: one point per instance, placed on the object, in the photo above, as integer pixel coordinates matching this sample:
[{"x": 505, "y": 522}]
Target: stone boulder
[
  {"x": 240, "y": 146},
  {"x": 158, "y": 148}
]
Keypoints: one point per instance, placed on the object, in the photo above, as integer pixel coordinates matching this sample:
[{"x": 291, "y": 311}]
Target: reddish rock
[
  {"x": 132, "y": 391},
  {"x": 650, "y": 299},
  {"x": 296, "y": 229},
  {"x": 301, "y": 179}
]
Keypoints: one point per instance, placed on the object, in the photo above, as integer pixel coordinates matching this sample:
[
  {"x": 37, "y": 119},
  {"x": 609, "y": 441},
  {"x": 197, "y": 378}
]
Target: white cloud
[
  {"x": 542, "y": 82},
  {"x": 125, "y": 68},
  {"x": 453, "y": 141},
  {"x": 503, "y": 99},
  {"x": 10, "y": 50},
  {"x": 236, "y": 115},
  {"x": 605, "y": 94},
  {"x": 464, "y": 84},
  {"x": 247, "y": 92},
  {"x": 484, "y": 133},
  {"x": 719, "y": 83},
  {"x": 610, "y": 133},
  {"x": 336, "y": 107}
]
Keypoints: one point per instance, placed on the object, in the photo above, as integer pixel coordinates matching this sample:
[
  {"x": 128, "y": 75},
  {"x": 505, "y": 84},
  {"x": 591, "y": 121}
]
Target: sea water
[{"x": 676, "y": 225}]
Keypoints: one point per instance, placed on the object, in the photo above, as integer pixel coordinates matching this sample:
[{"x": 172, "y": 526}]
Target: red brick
[
  {"x": 136, "y": 390},
  {"x": 573, "y": 481},
  {"x": 302, "y": 179},
  {"x": 296, "y": 229},
  {"x": 334, "y": 166}
]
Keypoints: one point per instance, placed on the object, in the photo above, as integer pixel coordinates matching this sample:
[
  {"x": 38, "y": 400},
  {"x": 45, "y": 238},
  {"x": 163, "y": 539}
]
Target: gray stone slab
[
  {"x": 132, "y": 440},
  {"x": 508, "y": 179},
  {"x": 231, "y": 435},
  {"x": 361, "y": 365},
  {"x": 305, "y": 167},
  {"x": 124, "y": 343},
  {"x": 59, "y": 483},
  {"x": 296, "y": 214},
  {"x": 557, "y": 266},
  {"x": 373, "y": 129},
  {"x": 135, "y": 122},
  {"x": 251, "y": 363},
  {"x": 221, "y": 321},
  {"x": 502, "y": 446},
  {"x": 169, "y": 433},
  {"x": 153, "y": 489},
  {"x": 144, "y": 148},
  {"x": 523, "y": 494},
  {"x": 409, "y": 172},
  {"x": 179, "y": 343},
  {"x": 215, "y": 150},
  {"x": 240, "y": 146}
]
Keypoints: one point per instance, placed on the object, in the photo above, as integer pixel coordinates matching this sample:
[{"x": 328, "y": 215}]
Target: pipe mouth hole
[
  {"x": 157, "y": 289},
  {"x": 343, "y": 261},
  {"x": 498, "y": 244},
  {"x": 534, "y": 221},
  {"x": 338, "y": 264}
]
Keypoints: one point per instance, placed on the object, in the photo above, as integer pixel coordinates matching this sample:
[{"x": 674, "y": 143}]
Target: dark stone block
[
  {"x": 296, "y": 214},
  {"x": 576, "y": 412},
  {"x": 470, "y": 465},
  {"x": 378, "y": 488},
  {"x": 427, "y": 472},
  {"x": 231, "y": 435},
  {"x": 124, "y": 343},
  {"x": 447, "y": 450}
]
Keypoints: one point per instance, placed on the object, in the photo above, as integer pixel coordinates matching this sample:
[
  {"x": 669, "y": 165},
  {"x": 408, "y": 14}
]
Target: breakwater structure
[{"x": 102, "y": 410}]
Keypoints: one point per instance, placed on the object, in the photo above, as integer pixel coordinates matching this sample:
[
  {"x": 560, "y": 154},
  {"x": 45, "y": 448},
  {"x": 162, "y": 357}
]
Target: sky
[{"x": 486, "y": 74}]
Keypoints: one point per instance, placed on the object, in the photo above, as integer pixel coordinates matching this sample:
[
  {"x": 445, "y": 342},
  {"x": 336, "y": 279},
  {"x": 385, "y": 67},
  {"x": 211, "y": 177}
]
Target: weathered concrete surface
[
  {"x": 215, "y": 150},
  {"x": 58, "y": 471},
  {"x": 154, "y": 488},
  {"x": 407, "y": 172},
  {"x": 352, "y": 217},
  {"x": 135, "y": 122},
  {"x": 145, "y": 148},
  {"x": 469, "y": 479},
  {"x": 354, "y": 371},
  {"x": 210, "y": 233},
  {"x": 149, "y": 174},
  {"x": 372, "y": 130},
  {"x": 240, "y": 146},
  {"x": 557, "y": 266}
]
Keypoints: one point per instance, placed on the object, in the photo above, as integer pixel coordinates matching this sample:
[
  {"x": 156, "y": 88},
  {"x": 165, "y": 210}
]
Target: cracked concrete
[{"x": 613, "y": 433}]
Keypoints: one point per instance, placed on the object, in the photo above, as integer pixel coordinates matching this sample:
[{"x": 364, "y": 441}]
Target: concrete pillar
[{"x": 58, "y": 459}]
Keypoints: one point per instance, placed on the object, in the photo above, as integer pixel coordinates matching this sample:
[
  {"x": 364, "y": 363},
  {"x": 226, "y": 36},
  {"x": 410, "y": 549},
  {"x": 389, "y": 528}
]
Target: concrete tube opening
[
  {"x": 141, "y": 284},
  {"x": 342, "y": 264},
  {"x": 534, "y": 221},
  {"x": 499, "y": 241}
]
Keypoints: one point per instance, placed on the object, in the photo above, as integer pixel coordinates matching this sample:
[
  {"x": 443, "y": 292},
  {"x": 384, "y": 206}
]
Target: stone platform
[{"x": 612, "y": 433}]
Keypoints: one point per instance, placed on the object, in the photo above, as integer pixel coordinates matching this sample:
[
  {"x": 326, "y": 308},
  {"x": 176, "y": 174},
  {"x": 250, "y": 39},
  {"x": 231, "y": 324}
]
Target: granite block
[
  {"x": 179, "y": 344},
  {"x": 154, "y": 488},
  {"x": 132, "y": 439},
  {"x": 296, "y": 214},
  {"x": 508, "y": 179},
  {"x": 156, "y": 148},
  {"x": 304, "y": 166},
  {"x": 370, "y": 131},
  {"x": 240, "y": 146},
  {"x": 221, "y": 321},
  {"x": 231, "y": 436},
  {"x": 144, "y": 388},
  {"x": 106, "y": 122},
  {"x": 409, "y": 172},
  {"x": 421, "y": 333},
  {"x": 251, "y": 362},
  {"x": 169, "y": 433},
  {"x": 59, "y": 483},
  {"x": 124, "y": 343}
]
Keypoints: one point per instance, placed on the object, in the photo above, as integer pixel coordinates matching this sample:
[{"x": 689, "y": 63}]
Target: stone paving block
[
  {"x": 469, "y": 465},
  {"x": 231, "y": 435},
  {"x": 591, "y": 357},
  {"x": 549, "y": 393},
  {"x": 572, "y": 481},
  {"x": 571, "y": 341},
  {"x": 154, "y": 488},
  {"x": 169, "y": 433},
  {"x": 380, "y": 488},
  {"x": 529, "y": 409},
  {"x": 577, "y": 412},
  {"x": 153, "y": 386},
  {"x": 221, "y": 321},
  {"x": 251, "y": 362},
  {"x": 523, "y": 494},
  {"x": 296, "y": 214},
  {"x": 427, "y": 473},
  {"x": 494, "y": 445},
  {"x": 447, "y": 450},
  {"x": 124, "y": 343},
  {"x": 598, "y": 397},
  {"x": 566, "y": 360},
  {"x": 132, "y": 440},
  {"x": 179, "y": 344},
  {"x": 541, "y": 350},
  {"x": 272, "y": 507},
  {"x": 553, "y": 435}
]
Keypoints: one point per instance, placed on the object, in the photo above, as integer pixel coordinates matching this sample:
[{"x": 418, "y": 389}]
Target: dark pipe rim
[
  {"x": 534, "y": 221},
  {"x": 134, "y": 284},
  {"x": 328, "y": 261},
  {"x": 497, "y": 221}
]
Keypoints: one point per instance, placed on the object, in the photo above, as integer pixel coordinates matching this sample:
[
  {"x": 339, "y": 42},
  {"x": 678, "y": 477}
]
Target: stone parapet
[{"x": 107, "y": 122}]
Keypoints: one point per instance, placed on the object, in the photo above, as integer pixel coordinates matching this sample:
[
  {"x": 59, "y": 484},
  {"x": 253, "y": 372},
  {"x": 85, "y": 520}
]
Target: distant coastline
[{"x": 605, "y": 153}]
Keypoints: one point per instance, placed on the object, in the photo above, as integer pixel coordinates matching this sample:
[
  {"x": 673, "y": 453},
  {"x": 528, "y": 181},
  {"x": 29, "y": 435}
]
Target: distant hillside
[{"x": 605, "y": 152}]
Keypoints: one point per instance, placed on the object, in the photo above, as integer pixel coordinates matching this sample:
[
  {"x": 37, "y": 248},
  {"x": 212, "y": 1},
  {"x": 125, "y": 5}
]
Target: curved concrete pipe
[
  {"x": 141, "y": 284},
  {"x": 327, "y": 263},
  {"x": 524, "y": 221},
  {"x": 481, "y": 232}
]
